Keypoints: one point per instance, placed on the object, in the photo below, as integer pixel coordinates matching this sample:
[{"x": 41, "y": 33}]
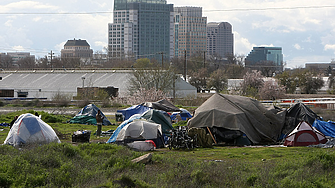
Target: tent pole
[{"x": 211, "y": 135}]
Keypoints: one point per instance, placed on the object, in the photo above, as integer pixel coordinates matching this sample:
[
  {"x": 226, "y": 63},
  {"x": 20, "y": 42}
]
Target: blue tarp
[
  {"x": 136, "y": 109},
  {"x": 118, "y": 129},
  {"x": 327, "y": 128}
]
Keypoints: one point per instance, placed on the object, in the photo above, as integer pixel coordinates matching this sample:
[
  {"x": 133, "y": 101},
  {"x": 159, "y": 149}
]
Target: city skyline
[{"x": 305, "y": 32}]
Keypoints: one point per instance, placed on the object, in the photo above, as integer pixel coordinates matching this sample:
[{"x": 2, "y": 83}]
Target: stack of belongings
[{"x": 81, "y": 136}]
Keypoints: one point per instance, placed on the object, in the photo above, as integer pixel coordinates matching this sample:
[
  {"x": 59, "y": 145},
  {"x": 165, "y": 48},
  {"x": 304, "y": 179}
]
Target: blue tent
[
  {"x": 118, "y": 129},
  {"x": 136, "y": 109},
  {"x": 327, "y": 128},
  {"x": 184, "y": 114}
]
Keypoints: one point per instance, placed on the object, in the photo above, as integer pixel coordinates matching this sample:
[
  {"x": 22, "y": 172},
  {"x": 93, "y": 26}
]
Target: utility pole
[
  {"x": 162, "y": 59},
  {"x": 51, "y": 55},
  {"x": 204, "y": 59},
  {"x": 185, "y": 66}
]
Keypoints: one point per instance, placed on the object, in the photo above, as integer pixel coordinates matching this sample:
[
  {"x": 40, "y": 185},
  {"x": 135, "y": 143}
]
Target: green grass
[
  {"x": 59, "y": 123},
  {"x": 107, "y": 165}
]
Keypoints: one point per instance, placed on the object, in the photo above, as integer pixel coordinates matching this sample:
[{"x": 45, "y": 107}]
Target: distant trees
[
  {"x": 255, "y": 86},
  {"x": 252, "y": 82},
  {"x": 198, "y": 79},
  {"x": 27, "y": 62},
  {"x": 217, "y": 80},
  {"x": 271, "y": 90},
  {"x": 308, "y": 81}
]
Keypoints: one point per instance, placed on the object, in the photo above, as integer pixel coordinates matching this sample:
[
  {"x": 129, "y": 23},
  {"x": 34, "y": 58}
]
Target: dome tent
[
  {"x": 30, "y": 129},
  {"x": 304, "y": 135},
  {"x": 140, "y": 130},
  {"x": 87, "y": 116}
]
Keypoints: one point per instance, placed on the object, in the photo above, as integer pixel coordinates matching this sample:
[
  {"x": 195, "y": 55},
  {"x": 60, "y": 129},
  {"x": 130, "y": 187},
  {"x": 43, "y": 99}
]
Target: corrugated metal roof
[{"x": 44, "y": 84}]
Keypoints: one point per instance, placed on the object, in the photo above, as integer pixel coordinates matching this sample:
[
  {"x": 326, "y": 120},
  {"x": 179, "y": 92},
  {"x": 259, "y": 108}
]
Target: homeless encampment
[
  {"x": 304, "y": 135},
  {"x": 140, "y": 130},
  {"x": 30, "y": 129},
  {"x": 163, "y": 105},
  {"x": 327, "y": 128},
  {"x": 297, "y": 113},
  {"x": 87, "y": 116},
  {"x": 237, "y": 113},
  {"x": 159, "y": 117}
]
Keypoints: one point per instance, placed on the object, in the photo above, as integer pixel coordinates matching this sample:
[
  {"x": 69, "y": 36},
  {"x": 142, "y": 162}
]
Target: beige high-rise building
[
  {"x": 190, "y": 31},
  {"x": 77, "y": 48},
  {"x": 220, "y": 39}
]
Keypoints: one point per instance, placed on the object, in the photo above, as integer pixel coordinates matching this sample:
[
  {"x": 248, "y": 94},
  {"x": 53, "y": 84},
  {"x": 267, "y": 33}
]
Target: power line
[
  {"x": 271, "y": 8},
  {"x": 218, "y": 10}
]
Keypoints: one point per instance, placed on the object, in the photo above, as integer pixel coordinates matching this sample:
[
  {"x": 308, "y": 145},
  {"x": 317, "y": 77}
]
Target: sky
[{"x": 303, "y": 28}]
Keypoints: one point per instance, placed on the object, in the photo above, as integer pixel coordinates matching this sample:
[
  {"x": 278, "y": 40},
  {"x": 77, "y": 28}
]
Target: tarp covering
[
  {"x": 304, "y": 135},
  {"x": 163, "y": 104},
  {"x": 136, "y": 109},
  {"x": 87, "y": 116},
  {"x": 327, "y": 128},
  {"x": 297, "y": 113},
  {"x": 30, "y": 129},
  {"x": 158, "y": 117},
  {"x": 240, "y": 113},
  {"x": 83, "y": 119}
]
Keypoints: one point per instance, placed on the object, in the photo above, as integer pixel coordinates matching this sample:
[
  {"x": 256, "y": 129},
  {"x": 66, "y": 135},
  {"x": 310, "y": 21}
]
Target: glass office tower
[
  {"x": 265, "y": 56},
  {"x": 141, "y": 29}
]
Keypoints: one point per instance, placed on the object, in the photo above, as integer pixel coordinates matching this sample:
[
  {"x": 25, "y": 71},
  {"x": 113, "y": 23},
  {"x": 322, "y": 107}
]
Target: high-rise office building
[
  {"x": 190, "y": 31},
  {"x": 271, "y": 57},
  {"x": 141, "y": 29},
  {"x": 220, "y": 39}
]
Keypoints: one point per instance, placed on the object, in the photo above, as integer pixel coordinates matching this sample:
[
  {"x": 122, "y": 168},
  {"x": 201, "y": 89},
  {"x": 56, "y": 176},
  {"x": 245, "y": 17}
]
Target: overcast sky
[{"x": 303, "y": 28}]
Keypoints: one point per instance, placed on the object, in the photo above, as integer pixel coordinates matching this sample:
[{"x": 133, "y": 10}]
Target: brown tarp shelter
[
  {"x": 240, "y": 113},
  {"x": 163, "y": 104}
]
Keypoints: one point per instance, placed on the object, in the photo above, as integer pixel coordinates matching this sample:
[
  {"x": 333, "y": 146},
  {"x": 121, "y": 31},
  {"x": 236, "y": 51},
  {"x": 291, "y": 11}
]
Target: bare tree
[
  {"x": 6, "y": 61},
  {"x": 158, "y": 79},
  {"x": 27, "y": 62}
]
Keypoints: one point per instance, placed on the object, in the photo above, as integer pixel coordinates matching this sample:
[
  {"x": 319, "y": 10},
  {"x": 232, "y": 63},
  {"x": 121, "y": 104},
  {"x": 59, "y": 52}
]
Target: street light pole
[{"x": 83, "y": 78}]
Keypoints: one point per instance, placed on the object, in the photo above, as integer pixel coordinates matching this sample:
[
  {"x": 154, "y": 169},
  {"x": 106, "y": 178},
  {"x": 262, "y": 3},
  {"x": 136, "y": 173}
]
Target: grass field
[{"x": 97, "y": 164}]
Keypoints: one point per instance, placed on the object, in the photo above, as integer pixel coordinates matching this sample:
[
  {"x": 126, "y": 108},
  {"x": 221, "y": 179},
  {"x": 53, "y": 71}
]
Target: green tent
[{"x": 158, "y": 117}]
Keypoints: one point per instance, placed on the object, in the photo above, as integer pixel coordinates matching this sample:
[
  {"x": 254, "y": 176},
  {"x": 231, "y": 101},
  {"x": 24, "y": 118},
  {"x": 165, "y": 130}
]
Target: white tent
[
  {"x": 139, "y": 129},
  {"x": 30, "y": 129}
]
